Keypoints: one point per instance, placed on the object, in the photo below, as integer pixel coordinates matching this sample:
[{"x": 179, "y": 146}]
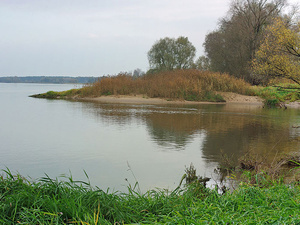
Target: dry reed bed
[{"x": 181, "y": 84}]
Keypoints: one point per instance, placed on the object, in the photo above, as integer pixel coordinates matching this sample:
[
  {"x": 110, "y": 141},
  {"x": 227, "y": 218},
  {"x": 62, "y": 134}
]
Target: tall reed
[{"x": 180, "y": 84}]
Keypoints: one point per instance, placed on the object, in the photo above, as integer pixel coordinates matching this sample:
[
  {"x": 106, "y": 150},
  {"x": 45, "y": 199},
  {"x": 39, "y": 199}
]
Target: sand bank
[{"x": 140, "y": 99}]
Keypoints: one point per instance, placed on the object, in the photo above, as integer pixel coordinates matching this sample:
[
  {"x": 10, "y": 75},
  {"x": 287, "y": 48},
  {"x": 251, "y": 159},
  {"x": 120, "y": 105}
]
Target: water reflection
[
  {"x": 231, "y": 129},
  {"x": 41, "y": 136},
  {"x": 173, "y": 130}
]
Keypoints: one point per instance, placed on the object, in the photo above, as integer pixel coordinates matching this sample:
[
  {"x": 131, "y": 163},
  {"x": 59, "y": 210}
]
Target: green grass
[
  {"x": 280, "y": 92},
  {"x": 58, "y": 94},
  {"x": 51, "y": 201}
]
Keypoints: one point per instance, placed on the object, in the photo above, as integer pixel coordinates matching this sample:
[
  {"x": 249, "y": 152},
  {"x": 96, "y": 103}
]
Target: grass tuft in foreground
[{"x": 50, "y": 201}]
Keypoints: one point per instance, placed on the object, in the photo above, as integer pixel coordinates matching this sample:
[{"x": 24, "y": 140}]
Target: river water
[{"x": 118, "y": 144}]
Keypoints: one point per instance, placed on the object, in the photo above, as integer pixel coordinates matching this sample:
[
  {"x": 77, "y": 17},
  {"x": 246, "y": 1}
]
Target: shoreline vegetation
[
  {"x": 188, "y": 85},
  {"x": 261, "y": 197},
  {"x": 180, "y": 86}
]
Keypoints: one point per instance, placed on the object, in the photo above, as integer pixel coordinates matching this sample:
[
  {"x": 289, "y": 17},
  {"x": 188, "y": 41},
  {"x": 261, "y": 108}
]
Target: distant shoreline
[{"x": 49, "y": 80}]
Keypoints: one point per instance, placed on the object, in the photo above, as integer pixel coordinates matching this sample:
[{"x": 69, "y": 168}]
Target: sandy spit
[{"x": 140, "y": 99}]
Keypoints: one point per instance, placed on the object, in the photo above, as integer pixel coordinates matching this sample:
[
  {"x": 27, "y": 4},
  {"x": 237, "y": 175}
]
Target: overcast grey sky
[{"x": 96, "y": 37}]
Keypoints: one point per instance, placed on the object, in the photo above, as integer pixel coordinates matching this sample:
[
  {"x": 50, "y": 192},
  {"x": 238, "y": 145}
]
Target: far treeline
[{"x": 52, "y": 80}]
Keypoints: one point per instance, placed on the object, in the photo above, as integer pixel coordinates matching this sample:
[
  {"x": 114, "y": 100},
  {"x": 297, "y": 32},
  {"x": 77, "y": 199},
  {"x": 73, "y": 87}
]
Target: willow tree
[
  {"x": 170, "y": 53},
  {"x": 279, "y": 53}
]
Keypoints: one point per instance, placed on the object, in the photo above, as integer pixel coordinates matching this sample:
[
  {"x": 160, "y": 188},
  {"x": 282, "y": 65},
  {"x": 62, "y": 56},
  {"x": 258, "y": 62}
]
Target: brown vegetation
[{"x": 191, "y": 85}]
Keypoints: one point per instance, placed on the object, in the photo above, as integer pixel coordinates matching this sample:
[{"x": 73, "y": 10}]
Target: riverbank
[
  {"x": 229, "y": 97},
  {"x": 51, "y": 201},
  {"x": 188, "y": 85},
  {"x": 181, "y": 86}
]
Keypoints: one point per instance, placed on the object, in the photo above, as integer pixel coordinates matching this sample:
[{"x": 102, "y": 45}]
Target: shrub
[{"x": 272, "y": 103}]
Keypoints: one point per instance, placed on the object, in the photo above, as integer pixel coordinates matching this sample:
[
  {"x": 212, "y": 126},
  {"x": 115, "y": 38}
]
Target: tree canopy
[
  {"x": 279, "y": 53},
  {"x": 169, "y": 53},
  {"x": 202, "y": 63},
  {"x": 232, "y": 46}
]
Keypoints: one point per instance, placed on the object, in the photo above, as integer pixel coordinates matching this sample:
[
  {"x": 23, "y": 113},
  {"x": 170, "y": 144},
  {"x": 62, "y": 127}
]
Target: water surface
[{"x": 116, "y": 142}]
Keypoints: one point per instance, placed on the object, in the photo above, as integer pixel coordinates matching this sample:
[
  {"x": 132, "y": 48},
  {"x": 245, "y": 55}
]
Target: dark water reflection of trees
[{"x": 232, "y": 130}]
